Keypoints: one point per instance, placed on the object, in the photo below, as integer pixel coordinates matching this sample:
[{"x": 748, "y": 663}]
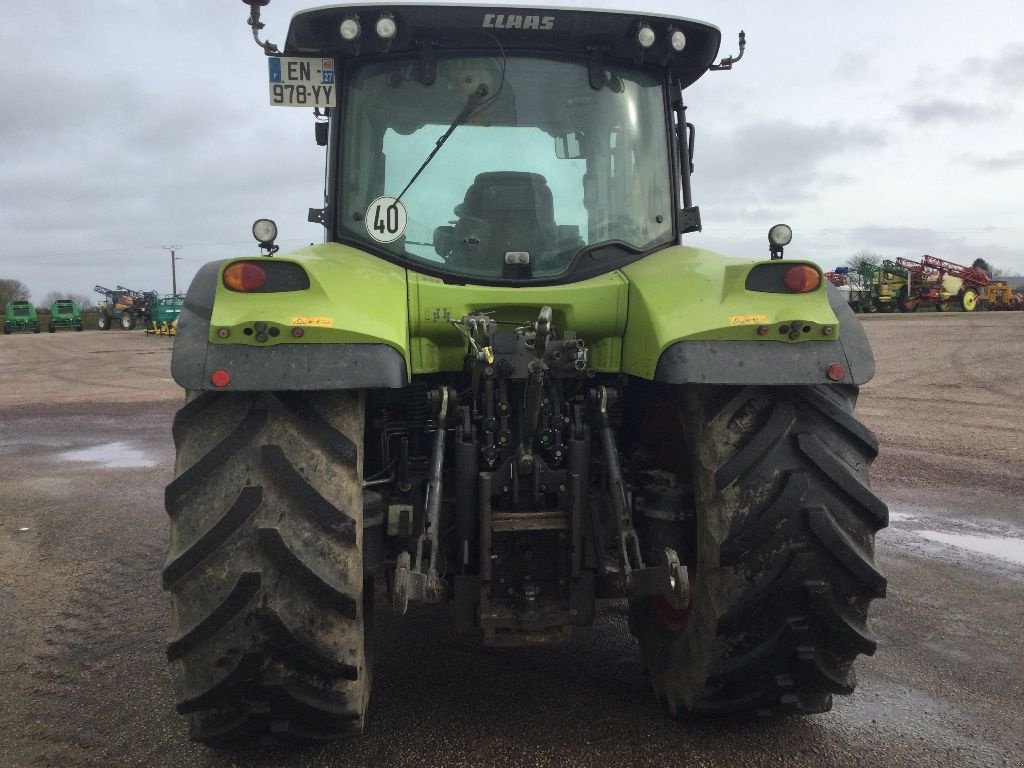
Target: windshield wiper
[{"x": 472, "y": 103}]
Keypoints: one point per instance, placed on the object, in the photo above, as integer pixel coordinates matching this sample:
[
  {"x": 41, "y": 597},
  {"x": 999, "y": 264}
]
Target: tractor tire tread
[
  {"x": 235, "y": 441},
  {"x": 264, "y": 497},
  {"x": 789, "y": 528},
  {"x": 245, "y": 505},
  {"x": 245, "y": 589}
]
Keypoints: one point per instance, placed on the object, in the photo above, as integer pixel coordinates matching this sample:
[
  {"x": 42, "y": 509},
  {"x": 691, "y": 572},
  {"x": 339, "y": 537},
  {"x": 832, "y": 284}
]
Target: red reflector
[
  {"x": 762, "y": 330},
  {"x": 221, "y": 378},
  {"x": 801, "y": 278},
  {"x": 835, "y": 372},
  {"x": 297, "y": 333},
  {"x": 245, "y": 276}
]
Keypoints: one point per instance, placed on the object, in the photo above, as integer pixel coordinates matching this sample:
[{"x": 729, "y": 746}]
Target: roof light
[
  {"x": 645, "y": 36},
  {"x": 677, "y": 40},
  {"x": 801, "y": 279},
  {"x": 386, "y": 27},
  {"x": 349, "y": 29},
  {"x": 245, "y": 276}
]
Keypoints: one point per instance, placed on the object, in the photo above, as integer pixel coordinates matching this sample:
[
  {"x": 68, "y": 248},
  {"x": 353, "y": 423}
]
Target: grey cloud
[
  {"x": 774, "y": 164},
  {"x": 937, "y": 109},
  {"x": 855, "y": 67},
  {"x": 997, "y": 163},
  {"x": 1005, "y": 70}
]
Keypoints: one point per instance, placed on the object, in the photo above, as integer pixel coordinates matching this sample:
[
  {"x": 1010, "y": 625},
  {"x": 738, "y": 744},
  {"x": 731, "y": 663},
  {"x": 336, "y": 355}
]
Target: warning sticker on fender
[
  {"x": 747, "y": 319},
  {"x": 323, "y": 322}
]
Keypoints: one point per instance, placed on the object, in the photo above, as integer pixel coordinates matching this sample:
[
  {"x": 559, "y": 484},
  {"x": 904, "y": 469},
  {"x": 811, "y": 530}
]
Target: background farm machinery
[
  {"x": 65, "y": 313},
  {"x": 905, "y": 284},
  {"x": 125, "y": 306},
  {"x": 1000, "y": 296},
  {"x": 164, "y": 316},
  {"x": 157, "y": 314},
  {"x": 21, "y": 316}
]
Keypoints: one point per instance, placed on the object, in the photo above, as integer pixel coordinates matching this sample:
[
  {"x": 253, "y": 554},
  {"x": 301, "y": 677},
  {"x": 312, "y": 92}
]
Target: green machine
[
  {"x": 21, "y": 317},
  {"x": 167, "y": 308},
  {"x": 505, "y": 384},
  {"x": 65, "y": 313}
]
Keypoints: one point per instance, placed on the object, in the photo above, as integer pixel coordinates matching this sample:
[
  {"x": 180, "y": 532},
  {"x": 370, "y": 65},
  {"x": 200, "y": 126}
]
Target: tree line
[{"x": 15, "y": 290}]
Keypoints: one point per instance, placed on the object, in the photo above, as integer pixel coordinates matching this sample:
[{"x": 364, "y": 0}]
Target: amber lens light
[
  {"x": 801, "y": 278},
  {"x": 245, "y": 276}
]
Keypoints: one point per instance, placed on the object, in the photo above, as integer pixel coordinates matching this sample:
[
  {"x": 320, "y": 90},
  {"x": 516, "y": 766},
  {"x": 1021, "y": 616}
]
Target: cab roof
[{"x": 439, "y": 28}]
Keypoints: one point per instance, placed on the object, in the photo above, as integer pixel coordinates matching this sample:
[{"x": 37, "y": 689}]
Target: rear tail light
[
  {"x": 245, "y": 276},
  {"x": 801, "y": 278}
]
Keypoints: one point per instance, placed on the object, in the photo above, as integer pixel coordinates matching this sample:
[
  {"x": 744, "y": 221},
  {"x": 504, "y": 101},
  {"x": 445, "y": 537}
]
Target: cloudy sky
[{"x": 128, "y": 127}]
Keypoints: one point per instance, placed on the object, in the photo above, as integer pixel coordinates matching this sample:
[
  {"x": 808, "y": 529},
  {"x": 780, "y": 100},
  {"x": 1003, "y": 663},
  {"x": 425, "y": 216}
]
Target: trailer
[
  {"x": 125, "y": 306},
  {"x": 65, "y": 313},
  {"x": 20, "y": 317}
]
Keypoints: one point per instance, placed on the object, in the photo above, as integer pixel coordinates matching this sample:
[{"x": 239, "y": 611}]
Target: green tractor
[
  {"x": 502, "y": 384},
  {"x": 65, "y": 313},
  {"x": 21, "y": 317}
]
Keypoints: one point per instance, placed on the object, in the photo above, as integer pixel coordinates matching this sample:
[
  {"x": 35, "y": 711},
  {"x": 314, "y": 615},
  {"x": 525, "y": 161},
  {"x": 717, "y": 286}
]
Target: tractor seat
[{"x": 505, "y": 211}]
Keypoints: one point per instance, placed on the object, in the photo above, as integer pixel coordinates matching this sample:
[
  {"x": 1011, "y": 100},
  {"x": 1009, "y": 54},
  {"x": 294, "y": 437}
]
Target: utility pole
[{"x": 174, "y": 276}]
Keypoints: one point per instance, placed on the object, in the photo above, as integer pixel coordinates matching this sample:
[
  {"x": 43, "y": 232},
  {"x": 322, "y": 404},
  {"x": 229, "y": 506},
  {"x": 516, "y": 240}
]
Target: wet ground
[{"x": 85, "y": 452}]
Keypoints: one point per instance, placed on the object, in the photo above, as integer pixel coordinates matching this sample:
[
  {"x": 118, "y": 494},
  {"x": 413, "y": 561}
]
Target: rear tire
[
  {"x": 128, "y": 321},
  {"x": 270, "y": 609},
  {"x": 969, "y": 300},
  {"x": 785, "y": 567}
]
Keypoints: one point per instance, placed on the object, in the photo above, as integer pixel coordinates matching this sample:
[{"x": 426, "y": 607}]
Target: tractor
[{"x": 504, "y": 385}]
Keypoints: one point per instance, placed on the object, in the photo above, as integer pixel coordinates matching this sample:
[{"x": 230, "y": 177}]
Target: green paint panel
[
  {"x": 595, "y": 309},
  {"x": 690, "y": 293},
  {"x": 353, "y": 298}
]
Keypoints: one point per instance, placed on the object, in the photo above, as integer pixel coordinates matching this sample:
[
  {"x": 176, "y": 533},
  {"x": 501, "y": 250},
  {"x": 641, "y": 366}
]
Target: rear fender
[
  {"x": 353, "y": 321},
  {"x": 692, "y": 320}
]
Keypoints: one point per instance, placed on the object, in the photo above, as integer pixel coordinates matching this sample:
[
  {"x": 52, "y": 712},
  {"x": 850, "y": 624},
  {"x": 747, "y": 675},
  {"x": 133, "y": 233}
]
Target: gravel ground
[{"x": 86, "y": 450}]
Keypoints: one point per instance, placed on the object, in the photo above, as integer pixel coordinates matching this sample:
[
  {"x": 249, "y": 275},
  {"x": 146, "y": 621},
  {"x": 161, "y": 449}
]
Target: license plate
[{"x": 302, "y": 82}]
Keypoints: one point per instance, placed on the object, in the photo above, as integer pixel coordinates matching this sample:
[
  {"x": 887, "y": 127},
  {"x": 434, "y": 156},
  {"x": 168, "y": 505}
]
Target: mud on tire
[
  {"x": 269, "y": 606},
  {"x": 785, "y": 568}
]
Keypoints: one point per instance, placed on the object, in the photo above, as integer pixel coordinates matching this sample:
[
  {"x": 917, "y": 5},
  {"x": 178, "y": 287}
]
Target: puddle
[
  {"x": 111, "y": 455},
  {"x": 1003, "y": 547}
]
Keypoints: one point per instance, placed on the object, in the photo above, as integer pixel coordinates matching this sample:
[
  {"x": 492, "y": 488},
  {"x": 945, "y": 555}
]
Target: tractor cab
[{"x": 496, "y": 146}]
